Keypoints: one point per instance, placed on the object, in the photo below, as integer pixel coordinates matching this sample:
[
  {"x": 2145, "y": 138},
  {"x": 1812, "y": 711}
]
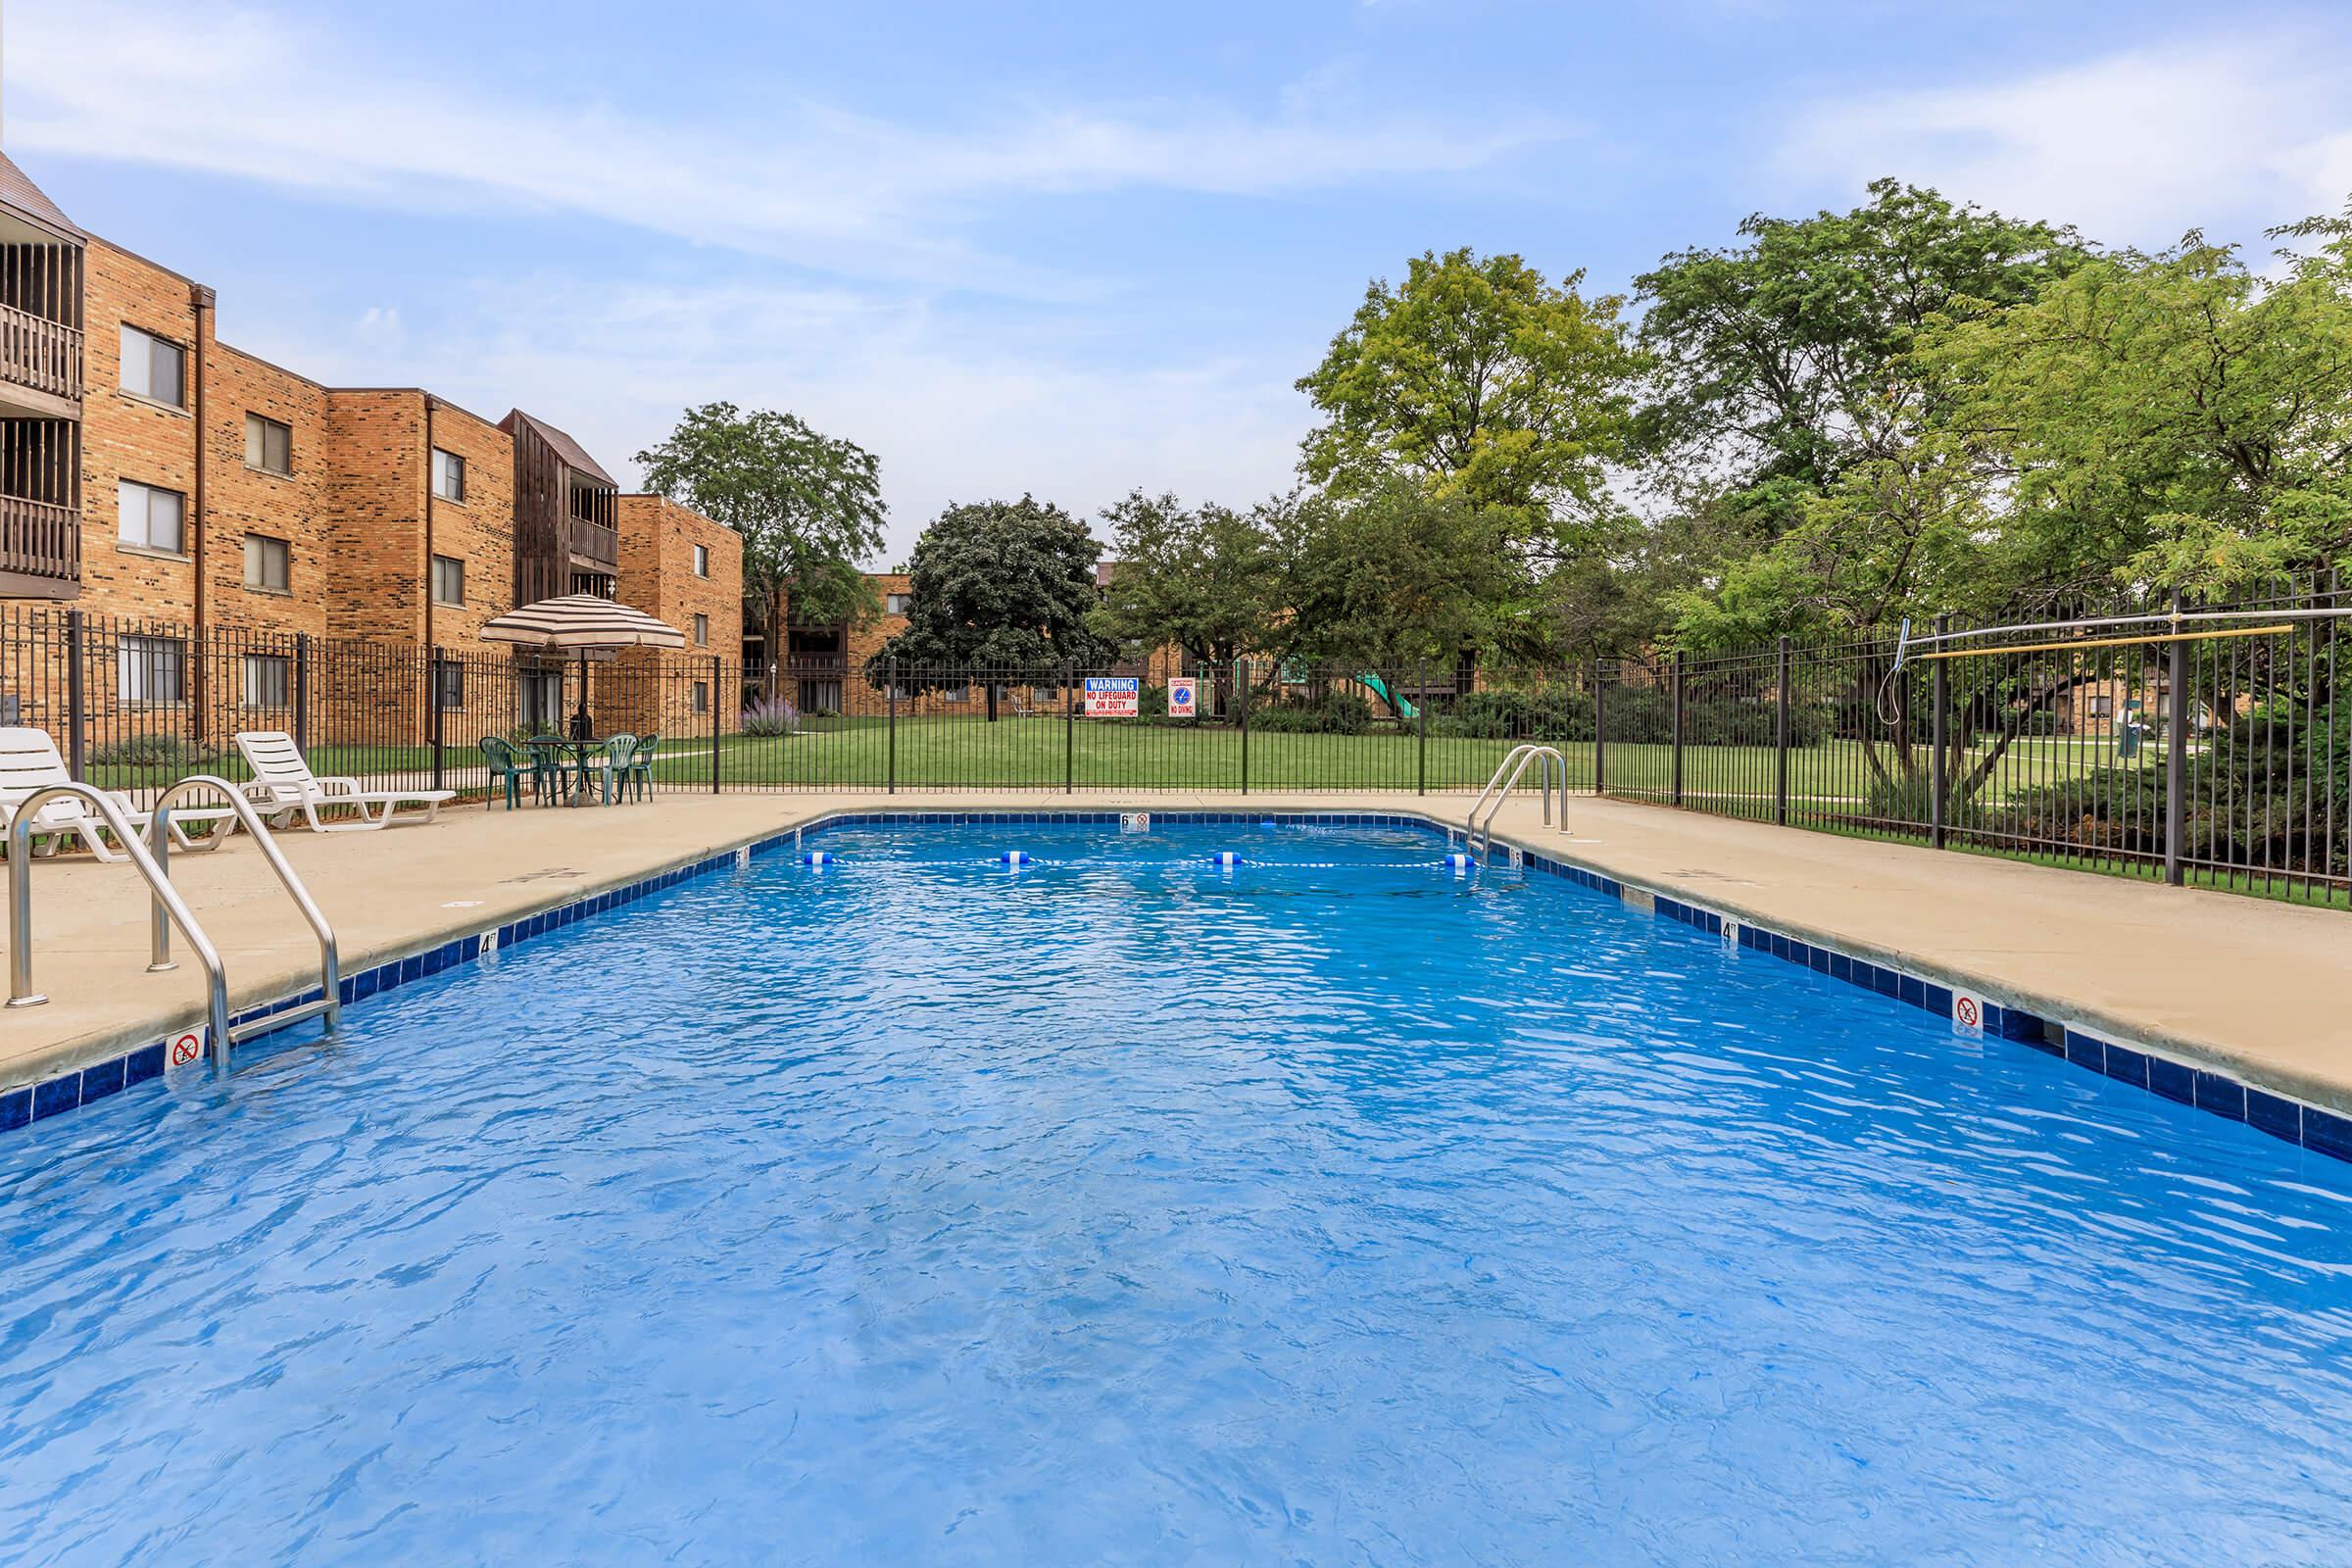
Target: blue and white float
[
  {"x": 1226, "y": 858},
  {"x": 1015, "y": 858},
  {"x": 1457, "y": 861},
  {"x": 818, "y": 858}
]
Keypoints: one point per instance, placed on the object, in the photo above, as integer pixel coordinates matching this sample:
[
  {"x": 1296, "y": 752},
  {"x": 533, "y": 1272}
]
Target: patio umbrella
[{"x": 582, "y": 622}]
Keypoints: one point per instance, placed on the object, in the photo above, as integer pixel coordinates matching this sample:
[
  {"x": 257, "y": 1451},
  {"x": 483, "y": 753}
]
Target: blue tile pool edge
[{"x": 2283, "y": 1116}]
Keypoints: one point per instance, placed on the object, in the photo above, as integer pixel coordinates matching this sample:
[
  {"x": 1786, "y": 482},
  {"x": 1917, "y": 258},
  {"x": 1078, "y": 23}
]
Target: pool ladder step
[{"x": 152, "y": 859}]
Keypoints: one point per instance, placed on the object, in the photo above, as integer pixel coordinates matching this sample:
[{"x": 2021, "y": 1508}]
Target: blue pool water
[{"x": 1334, "y": 1208}]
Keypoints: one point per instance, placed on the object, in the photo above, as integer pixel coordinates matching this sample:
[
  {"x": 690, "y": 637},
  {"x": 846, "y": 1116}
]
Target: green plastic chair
[
  {"x": 508, "y": 766},
  {"x": 617, "y": 752},
  {"x": 640, "y": 766},
  {"x": 549, "y": 780}
]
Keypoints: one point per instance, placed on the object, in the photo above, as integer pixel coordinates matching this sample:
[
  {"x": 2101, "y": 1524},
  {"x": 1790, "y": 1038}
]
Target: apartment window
[
  {"x": 542, "y": 700},
  {"x": 148, "y": 518},
  {"x": 268, "y": 680},
  {"x": 268, "y": 564},
  {"x": 150, "y": 669},
  {"x": 894, "y": 604},
  {"x": 702, "y": 560},
  {"x": 702, "y": 697},
  {"x": 448, "y": 680},
  {"x": 449, "y": 476},
  {"x": 449, "y": 580},
  {"x": 269, "y": 444},
  {"x": 152, "y": 368},
  {"x": 2102, "y": 706},
  {"x": 702, "y": 631}
]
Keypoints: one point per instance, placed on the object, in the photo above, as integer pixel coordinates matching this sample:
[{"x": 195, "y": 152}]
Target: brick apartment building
[{"x": 159, "y": 480}]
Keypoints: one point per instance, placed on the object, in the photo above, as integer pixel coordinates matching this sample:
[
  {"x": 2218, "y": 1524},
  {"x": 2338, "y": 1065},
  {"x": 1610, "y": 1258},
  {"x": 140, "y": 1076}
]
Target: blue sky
[{"x": 1069, "y": 248}]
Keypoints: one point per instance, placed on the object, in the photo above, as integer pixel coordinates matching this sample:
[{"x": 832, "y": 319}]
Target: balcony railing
[
  {"x": 38, "y": 353},
  {"x": 40, "y": 539},
  {"x": 594, "y": 542}
]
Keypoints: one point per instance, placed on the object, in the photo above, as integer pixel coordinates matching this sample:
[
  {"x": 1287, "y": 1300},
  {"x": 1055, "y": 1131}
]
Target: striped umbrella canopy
[{"x": 579, "y": 622}]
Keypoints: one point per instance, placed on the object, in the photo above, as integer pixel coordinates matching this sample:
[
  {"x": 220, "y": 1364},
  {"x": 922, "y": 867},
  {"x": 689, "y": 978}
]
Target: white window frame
[
  {"x": 455, "y": 565},
  {"x": 133, "y": 499},
  {"x": 702, "y": 560},
  {"x": 702, "y": 697},
  {"x": 450, "y": 683},
  {"x": 702, "y": 631},
  {"x": 895, "y": 604}
]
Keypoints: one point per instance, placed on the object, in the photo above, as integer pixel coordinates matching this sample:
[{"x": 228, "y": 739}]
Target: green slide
[{"x": 1379, "y": 689}]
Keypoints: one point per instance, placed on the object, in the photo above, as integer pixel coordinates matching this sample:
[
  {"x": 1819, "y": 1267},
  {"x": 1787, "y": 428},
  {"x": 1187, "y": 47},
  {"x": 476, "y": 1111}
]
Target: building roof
[
  {"x": 573, "y": 454},
  {"x": 20, "y": 193}
]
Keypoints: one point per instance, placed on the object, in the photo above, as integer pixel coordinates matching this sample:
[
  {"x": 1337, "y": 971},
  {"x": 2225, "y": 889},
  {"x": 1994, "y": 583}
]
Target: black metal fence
[{"x": 2069, "y": 748}]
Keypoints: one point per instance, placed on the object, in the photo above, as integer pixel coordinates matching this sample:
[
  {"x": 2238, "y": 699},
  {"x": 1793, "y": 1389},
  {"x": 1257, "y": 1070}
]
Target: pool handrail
[
  {"x": 330, "y": 1005},
  {"x": 166, "y": 900},
  {"x": 1506, "y": 778}
]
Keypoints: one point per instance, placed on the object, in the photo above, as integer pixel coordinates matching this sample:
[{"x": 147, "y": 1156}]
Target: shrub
[
  {"x": 766, "y": 719},
  {"x": 1340, "y": 710},
  {"x": 155, "y": 750}
]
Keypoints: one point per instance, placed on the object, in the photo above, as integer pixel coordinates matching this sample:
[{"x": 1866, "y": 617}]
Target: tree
[
  {"x": 808, "y": 507},
  {"x": 1784, "y": 362},
  {"x": 996, "y": 591},
  {"x": 1213, "y": 581},
  {"x": 1481, "y": 381},
  {"x": 1399, "y": 580}
]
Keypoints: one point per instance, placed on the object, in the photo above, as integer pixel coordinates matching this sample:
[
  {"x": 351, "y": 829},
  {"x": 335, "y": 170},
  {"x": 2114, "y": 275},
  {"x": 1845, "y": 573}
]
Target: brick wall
[
  {"x": 126, "y": 437},
  {"x": 658, "y": 542},
  {"x": 242, "y": 500}
]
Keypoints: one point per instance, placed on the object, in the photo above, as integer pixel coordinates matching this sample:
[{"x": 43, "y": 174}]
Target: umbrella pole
[{"x": 581, "y": 729}]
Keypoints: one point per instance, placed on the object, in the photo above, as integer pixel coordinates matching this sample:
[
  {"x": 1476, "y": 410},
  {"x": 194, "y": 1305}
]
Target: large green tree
[
  {"x": 999, "y": 592},
  {"x": 1400, "y": 580},
  {"x": 1215, "y": 582},
  {"x": 1783, "y": 360},
  {"x": 808, "y": 507},
  {"x": 1480, "y": 380}
]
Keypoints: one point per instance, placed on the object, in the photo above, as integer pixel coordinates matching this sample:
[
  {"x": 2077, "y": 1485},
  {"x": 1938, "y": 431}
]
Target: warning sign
[
  {"x": 1184, "y": 697},
  {"x": 1968, "y": 1013},
  {"x": 1112, "y": 696},
  {"x": 186, "y": 1048}
]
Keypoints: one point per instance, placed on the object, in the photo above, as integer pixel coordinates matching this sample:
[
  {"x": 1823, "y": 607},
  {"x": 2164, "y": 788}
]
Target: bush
[
  {"x": 769, "y": 720},
  {"x": 1340, "y": 710},
  {"x": 157, "y": 750}
]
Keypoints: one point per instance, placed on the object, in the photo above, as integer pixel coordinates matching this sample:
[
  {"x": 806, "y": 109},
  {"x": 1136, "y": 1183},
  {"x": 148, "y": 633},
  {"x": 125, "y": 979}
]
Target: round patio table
[{"x": 580, "y": 752}]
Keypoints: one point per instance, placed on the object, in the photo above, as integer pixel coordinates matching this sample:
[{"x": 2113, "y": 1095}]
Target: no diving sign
[
  {"x": 1184, "y": 697},
  {"x": 184, "y": 1049}
]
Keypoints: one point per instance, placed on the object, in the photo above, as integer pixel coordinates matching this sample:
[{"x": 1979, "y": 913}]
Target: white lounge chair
[
  {"x": 30, "y": 761},
  {"x": 284, "y": 784}
]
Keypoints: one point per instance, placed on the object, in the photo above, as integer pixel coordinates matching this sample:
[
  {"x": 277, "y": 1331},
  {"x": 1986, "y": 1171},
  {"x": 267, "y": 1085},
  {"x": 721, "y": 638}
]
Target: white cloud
[
  {"x": 2134, "y": 148},
  {"x": 280, "y": 97}
]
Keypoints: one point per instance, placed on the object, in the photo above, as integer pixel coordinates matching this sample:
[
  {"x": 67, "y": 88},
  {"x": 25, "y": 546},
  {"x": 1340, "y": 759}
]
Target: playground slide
[{"x": 1379, "y": 689}]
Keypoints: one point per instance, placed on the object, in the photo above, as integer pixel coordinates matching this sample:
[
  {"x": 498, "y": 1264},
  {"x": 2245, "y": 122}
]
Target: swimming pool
[{"x": 1333, "y": 1207}]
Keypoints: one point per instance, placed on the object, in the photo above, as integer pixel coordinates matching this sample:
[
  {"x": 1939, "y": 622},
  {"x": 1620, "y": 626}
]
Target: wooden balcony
[
  {"x": 40, "y": 549},
  {"x": 592, "y": 545},
  {"x": 43, "y": 357}
]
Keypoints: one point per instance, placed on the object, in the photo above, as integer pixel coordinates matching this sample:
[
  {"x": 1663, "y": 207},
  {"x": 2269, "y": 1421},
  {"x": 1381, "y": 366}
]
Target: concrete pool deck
[{"x": 2261, "y": 989}]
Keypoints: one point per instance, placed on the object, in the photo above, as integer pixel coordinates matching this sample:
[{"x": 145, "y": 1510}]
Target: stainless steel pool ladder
[
  {"x": 153, "y": 860},
  {"x": 1481, "y": 836}
]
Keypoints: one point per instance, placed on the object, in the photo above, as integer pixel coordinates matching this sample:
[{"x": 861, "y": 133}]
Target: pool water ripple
[{"x": 1126, "y": 1208}]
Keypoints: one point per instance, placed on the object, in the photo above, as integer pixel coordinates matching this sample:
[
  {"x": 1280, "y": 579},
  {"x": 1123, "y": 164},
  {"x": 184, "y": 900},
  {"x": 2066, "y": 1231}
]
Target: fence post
[
  {"x": 2176, "y": 757},
  {"x": 719, "y": 727},
  {"x": 1939, "y": 773},
  {"x": 1241, "y": 683},
  {"x": 302, "y": 691},
  {"x": 433, "y": 696},
  {"x": 75, "y": 696},
  {"x": 1600, "y": 731},
  {"x": 1421, "y": 741},
  {"x": 1779, "y": 743},
  {"x": 1678, "y": 727},
  {"x": 891, "y": 669},
  {"x": 1069, "y": 728}
]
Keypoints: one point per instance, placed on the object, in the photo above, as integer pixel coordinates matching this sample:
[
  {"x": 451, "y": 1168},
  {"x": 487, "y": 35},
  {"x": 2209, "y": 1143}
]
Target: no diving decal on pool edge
[{"x": 2294, "y": 1121}]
